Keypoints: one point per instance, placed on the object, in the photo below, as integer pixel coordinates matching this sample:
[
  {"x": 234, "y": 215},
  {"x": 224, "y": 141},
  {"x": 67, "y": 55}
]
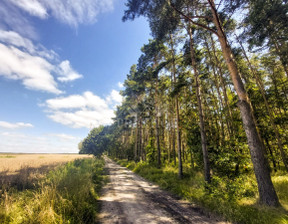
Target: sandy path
[{"x": 128, "y": 198}]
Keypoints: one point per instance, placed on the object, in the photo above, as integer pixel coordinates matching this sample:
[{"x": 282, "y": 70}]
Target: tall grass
[
  {"x": 235, "y": 200},
  {"x": 66, "y": 195}
]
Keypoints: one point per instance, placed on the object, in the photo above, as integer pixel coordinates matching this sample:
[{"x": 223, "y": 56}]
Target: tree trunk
[
  {"x": 266, "y": 189},
  {"x": 223, "y": 85},
  {"x": 271, "y": 153},
  {"x": 200, "y": 111},
  {"x": 173, "y": 132},
  {"x": 229, "y": 118},
  {"x": 173, "y": 139},
  {"x": 157, "y": 126},
  {"x": 180, "y": 166},
  {"x": 140, "y": 140},
  {"x": 136, "y": 141}
]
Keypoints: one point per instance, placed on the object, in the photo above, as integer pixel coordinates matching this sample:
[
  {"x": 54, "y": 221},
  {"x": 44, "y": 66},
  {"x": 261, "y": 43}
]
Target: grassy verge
[
  {"x": 66, "y": 195},
  {"x": 235, "y": 200}
]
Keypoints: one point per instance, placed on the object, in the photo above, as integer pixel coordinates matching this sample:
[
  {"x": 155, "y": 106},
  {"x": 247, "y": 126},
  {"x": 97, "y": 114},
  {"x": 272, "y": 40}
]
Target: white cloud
[
  {"x": 67, "y": 73},
  {"x": 34, "y": 65},
  {"x": 34, "y": 71},
  {"x": 20, "y": 59},
  {"x": 86, "y": 110},
  {"x": 114, "y": 98},
  {"x": 83, "y": 118},
  {"x": 8, "y": 125},
  {"x": 13, "y": 19},
  {"x": 13, "y": 13},
  {"x": 70, "y": 12},
  {"x": 13, "y": 38},
  {"x": 120, "y": 85},
  {"x": 33, "y": 7},
  {"x": 73, "y": 12},
  {"x": 87, "y": 100},
  {"x": 63, "y": 137}
]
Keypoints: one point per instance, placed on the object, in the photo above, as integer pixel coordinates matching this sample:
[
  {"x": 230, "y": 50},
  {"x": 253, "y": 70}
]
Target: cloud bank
[
  {"x": 83, "y": 111},
  {"x": 7, "y": 125},
  {"x": 69, "y": 12},
  {"x": 34, "y": 65}
]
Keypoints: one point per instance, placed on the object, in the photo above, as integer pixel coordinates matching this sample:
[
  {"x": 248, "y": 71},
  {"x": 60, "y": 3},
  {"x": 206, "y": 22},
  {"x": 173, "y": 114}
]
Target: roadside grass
[
  {"x": 67, "y": 194},
  {"x": 235, "y": 200}
]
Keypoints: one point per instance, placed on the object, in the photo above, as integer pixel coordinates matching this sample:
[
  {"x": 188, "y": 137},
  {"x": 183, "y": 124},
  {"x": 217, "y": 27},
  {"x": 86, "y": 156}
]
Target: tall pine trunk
[
  {"x": 136, "y": 156},
  {"x": 266, "y": 189},
  {"x": 157, "y": 125},
  {"x": 200, "y": 110},
  {"x": 228, "y": 118},
  {"x": 180, "y": 166},
  {"x": 223, "y": 86}
]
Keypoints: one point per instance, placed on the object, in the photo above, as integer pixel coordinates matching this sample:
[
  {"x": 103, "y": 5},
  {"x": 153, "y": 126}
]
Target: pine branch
[{"x": 190, "y": 19}]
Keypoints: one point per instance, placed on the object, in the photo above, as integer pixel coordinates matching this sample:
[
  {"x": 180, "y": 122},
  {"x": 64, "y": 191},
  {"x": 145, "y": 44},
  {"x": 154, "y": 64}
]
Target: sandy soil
[{"x": 128, "y": 198}]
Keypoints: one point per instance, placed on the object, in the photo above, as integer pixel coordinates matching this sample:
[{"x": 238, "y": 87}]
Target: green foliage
[
  {"x": 263, "y": 17},
  {"x": 66, "y": 195},
  {"x": 97, "y": 141},
  {"x": 228, "y": 161},
  {"x": 151, "y": 151}
]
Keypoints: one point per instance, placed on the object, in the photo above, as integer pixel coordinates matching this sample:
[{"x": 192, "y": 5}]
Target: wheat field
[
  {"x": 12, "y": 163},
  {"x": 23, "y": 170}
]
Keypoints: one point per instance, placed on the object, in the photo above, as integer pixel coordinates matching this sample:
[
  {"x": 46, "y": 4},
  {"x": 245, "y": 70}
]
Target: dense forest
[{"x": 210, "y": 91}]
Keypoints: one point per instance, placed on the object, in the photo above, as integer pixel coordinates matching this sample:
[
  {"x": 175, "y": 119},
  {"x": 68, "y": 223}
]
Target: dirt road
[{"x": 128, "y": 198}]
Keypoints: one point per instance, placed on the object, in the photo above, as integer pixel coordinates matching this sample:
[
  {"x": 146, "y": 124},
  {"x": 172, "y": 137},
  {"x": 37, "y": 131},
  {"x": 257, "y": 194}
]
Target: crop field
[
  {"x": 49, "y": 188},
  {"x": 23, "y": 169},
  {"x": 13, "y": 163}
]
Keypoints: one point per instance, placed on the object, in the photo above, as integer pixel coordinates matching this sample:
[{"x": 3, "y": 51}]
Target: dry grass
[{"x": 23, "y": 170}]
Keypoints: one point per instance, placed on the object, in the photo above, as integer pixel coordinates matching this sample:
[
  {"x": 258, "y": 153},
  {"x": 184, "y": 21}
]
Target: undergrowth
[
  {"x": 235, "y": 200},
  {"x": 66, "y": 195}
]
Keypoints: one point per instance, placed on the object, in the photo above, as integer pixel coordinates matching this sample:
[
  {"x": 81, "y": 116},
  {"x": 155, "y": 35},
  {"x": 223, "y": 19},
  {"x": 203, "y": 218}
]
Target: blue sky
[{"x": 62, "y": 63}]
